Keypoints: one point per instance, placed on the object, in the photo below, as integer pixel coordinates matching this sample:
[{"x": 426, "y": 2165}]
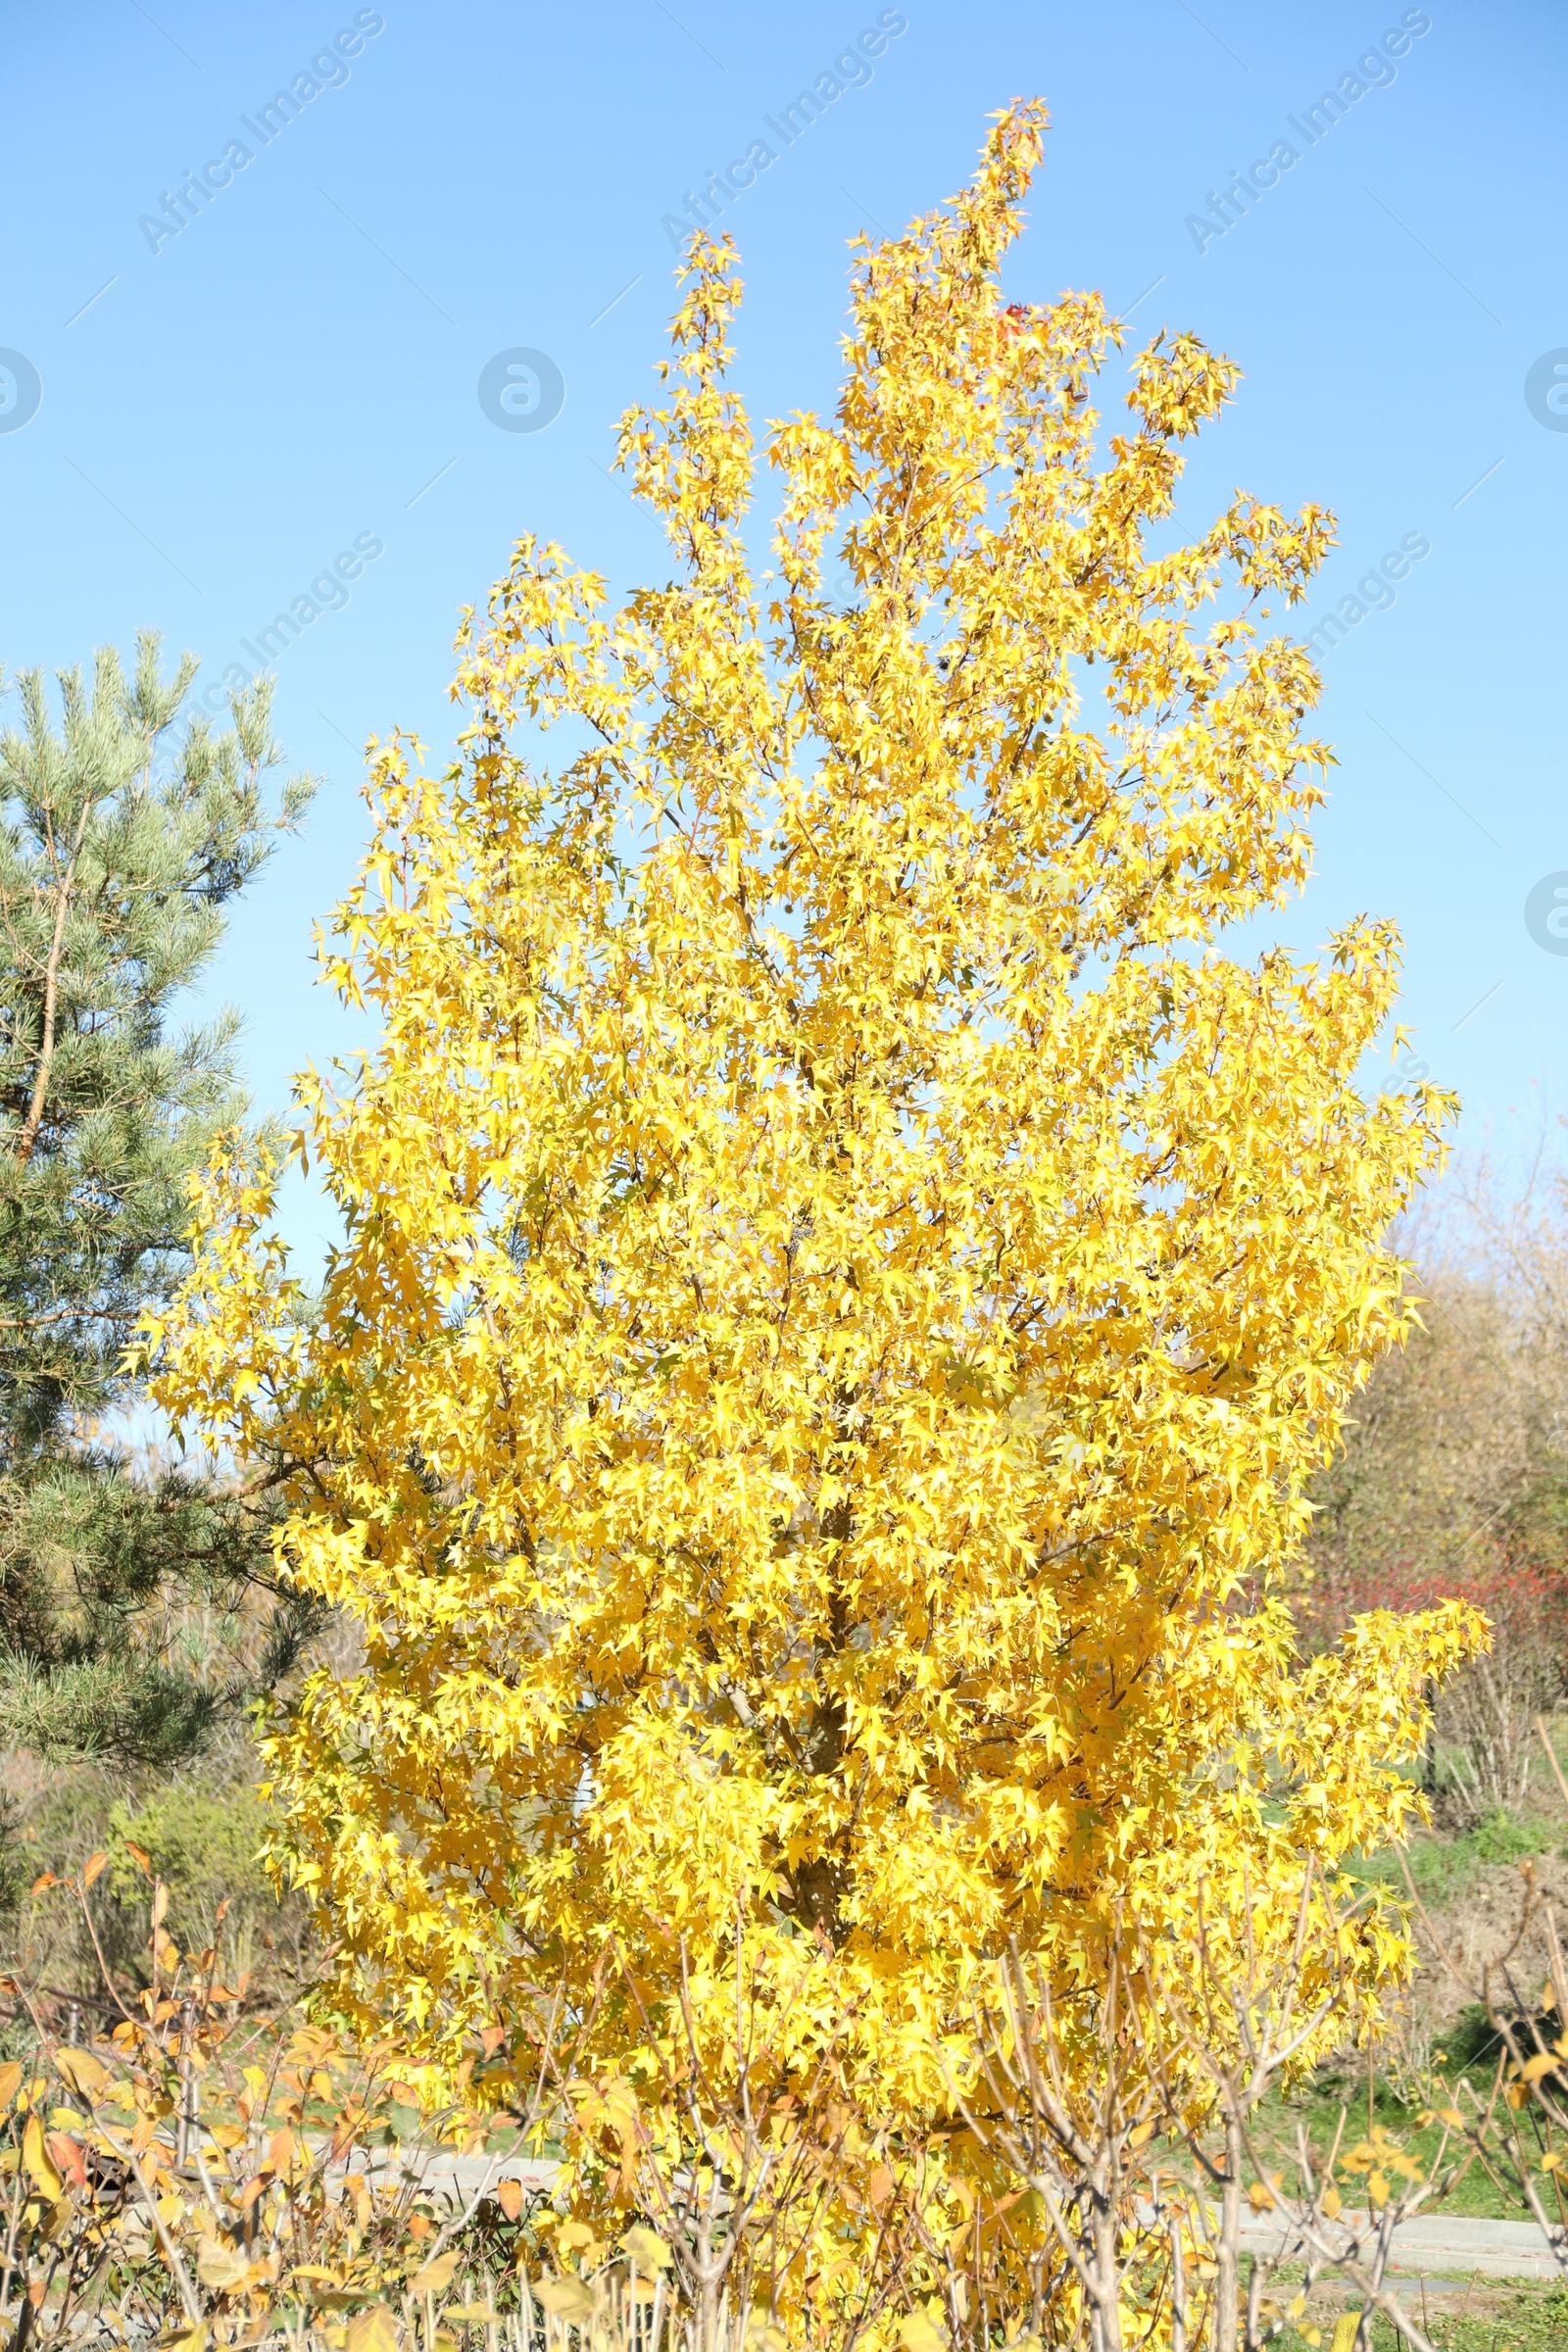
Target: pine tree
[{"x": 125, "y": 830}]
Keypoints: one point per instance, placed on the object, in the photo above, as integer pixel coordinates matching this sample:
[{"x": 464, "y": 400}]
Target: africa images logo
[
  {"x": 20, "y": 391},
  {"x": 1374, "y": 592},
  {"x": 1546, "y": 391},
  {"x": 327, "y": 71},
  {"x": 851, "y": 69},
  {"x": 521, "y": 390},
  {"x": 1546, "y": 914},
  {"x": 1373, "y": 69}
]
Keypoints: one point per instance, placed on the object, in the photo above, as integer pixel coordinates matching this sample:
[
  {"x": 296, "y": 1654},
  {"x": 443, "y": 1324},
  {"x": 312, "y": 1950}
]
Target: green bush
[
  {"x": 205, "y": 1846},
  {"x": 1500, "y": 1836},
  {"x": 1443, "y": 1868}
]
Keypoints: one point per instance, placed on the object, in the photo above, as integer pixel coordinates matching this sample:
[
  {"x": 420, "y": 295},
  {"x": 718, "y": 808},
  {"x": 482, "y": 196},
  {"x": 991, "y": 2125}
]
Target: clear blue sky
[{"x": 297, "y": 369}]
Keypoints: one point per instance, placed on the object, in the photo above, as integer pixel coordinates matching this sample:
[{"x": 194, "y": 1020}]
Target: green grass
[
  {"x": 1469, "y": 2054},
  {"x": 1319, "y": 2102},
  {"x": 1502, "y": 2315},
  {"x": 1445, "y": 1869}
]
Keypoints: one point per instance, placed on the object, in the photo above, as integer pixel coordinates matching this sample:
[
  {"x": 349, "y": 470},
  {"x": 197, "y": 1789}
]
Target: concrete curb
[{"x": 1437, "y": 2245}]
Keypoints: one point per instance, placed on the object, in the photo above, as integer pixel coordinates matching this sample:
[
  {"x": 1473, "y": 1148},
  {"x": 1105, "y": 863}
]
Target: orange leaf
[{"x": 70, "y": 2156}]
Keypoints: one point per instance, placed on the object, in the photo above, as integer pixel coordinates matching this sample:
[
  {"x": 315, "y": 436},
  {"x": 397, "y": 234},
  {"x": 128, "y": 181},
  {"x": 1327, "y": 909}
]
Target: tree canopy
[{"x": 844, "y": 1279}]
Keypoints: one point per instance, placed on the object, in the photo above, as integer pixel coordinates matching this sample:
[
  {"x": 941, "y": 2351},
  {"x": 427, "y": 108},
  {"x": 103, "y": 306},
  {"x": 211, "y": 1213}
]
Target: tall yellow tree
[{"x": 843, "y": 1279}]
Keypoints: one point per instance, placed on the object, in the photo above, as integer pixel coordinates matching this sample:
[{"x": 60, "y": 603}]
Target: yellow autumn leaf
[
  {"x": 563, "y": 2297},
  {"x": 433, "y": 2278},
  {"x": 373, "y": 2329},
  {"x": 36, "y": 2160},
  {"x": 85, "y": 2073},
  {"x": 222, "y": 2266}
]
